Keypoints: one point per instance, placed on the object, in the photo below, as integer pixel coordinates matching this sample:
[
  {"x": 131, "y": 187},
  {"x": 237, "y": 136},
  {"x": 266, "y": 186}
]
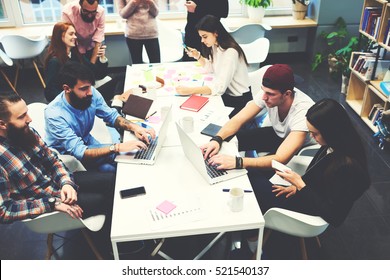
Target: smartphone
[
  {"x": 132, "y": 192},
  {"x": 279, "y": 166}
]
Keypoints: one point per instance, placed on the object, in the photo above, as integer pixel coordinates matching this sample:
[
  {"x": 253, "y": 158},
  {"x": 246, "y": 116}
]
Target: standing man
[
  {"x": 89, "y": 20},
  {"x": 34, "y": 181},
  {"x": 196, "y": 10},
  {"x": 286, "y": 107},
  {"x": 70, "y": 118}
]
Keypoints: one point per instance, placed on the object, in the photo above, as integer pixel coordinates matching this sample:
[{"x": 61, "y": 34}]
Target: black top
[{"x": 218, "y": 8}]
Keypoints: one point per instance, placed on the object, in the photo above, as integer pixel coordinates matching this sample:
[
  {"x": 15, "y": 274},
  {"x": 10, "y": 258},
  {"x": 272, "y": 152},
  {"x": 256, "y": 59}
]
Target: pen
[
  {"x": 150, "y": 115},
  {"x": 245, "y": 191}
]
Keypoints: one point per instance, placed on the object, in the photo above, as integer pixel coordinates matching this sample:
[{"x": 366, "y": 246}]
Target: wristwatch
[
  {"x": 112, "y": 148},
  {"x": 52, "y": 203}
]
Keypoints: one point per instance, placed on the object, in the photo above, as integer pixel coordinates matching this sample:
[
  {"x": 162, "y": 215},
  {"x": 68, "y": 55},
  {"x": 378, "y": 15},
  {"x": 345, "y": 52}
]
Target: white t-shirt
[
  {"x": 231, "y": 72},
  {"x": 296, "y": 117}
]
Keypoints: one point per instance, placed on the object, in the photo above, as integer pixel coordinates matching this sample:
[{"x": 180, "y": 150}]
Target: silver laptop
[
  {"x": 148, "y": 156},
  {"x": 195, "y": 156}
]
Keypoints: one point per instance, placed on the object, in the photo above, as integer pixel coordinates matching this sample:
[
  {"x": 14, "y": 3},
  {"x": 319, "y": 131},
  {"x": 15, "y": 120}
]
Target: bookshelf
[{"x": 364, "y": 92}]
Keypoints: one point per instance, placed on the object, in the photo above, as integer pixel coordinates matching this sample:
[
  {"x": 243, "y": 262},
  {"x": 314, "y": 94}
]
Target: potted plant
[
  {"x": 299, "y": 8},
  {"x": 256, "y": 8}
]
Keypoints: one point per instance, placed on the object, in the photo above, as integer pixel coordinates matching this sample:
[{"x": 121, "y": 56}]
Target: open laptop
[
  {"x": 148, "y": 156},
  {"x": 195, "y": 156}
]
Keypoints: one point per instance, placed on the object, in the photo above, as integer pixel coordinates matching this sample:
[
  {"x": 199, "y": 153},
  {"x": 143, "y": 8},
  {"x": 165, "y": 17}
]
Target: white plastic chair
[
  {"x": 6, "y": 61},
  {"x": 171, "y": 44},
  {"x": 256, "y": 52},
  {"x": 295, "y": 224},
  {"x": 99, "y": 131},
  {"x": 51, "y": 223},
  {"x": 247, "y": 33},
  {"x": 20, "y": 47}
]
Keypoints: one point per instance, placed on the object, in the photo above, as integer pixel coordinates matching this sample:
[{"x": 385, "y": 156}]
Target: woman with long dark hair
[
  {"x": 222, "y": 56},
  {"x": 336, "y": 177}
]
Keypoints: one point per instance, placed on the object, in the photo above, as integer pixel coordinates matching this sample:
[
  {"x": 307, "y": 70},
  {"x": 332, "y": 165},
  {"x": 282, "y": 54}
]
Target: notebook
[
  {"x": 195, "y": 156},
  {"x": 149, "y": 155},
  {"x": 194, "y": 103},
  {"x": 137, "y": 106}
]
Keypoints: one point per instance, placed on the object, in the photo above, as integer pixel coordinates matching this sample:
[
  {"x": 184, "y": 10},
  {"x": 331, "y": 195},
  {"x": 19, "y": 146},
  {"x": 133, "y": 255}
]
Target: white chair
[
  {"x": 6, "y": 61},
  {"x": 256, "y": 79},
  {"x": 51, "y": 223},
  {"x": 20, "y": 47},
  {"x": 99, "y": 131},
  {"x": 295, "y": 224},
  {"x": 247, "y": 33},
  {"x": 256, "y": 52},
  {"x": 171, "y": 44}
]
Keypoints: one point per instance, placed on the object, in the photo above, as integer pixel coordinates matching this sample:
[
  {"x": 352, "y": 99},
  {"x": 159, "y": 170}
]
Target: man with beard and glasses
[
  {"x": 34, "y": 181},
  {"x": 89, "y": 20},
  {"x": 70, "y": 117}
]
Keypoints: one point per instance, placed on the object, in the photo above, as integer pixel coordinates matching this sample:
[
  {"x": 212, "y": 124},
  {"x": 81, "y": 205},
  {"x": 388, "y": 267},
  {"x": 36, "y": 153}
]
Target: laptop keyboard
[
  {"x": 212, "y": 170},
  {"x": 147, "y": 153}
]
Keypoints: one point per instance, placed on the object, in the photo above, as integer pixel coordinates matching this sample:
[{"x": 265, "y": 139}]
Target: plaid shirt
[{"x": 28, "y": 180}]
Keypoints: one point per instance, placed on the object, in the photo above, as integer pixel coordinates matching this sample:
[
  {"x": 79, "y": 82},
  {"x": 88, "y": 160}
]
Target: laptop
[
  {"x": 195, "y": 156},
  {"x": 148, "y": 156}
]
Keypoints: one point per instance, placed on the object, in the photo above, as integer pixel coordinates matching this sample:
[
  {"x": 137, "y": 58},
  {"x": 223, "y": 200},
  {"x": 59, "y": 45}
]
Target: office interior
[{"x": 364, "y": 234}]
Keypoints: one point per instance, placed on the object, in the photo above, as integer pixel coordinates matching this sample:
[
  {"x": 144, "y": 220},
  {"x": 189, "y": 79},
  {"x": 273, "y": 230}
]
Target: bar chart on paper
[{"x": 186, "y": 211}]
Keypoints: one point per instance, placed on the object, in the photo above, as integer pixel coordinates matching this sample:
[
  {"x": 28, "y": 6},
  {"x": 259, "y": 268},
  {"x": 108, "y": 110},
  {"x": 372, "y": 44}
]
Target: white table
[{"x": 173, "y": 178}]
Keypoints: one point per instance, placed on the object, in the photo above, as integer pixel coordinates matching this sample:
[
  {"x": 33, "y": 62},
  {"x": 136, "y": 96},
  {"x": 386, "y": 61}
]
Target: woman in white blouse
[{"x": 222, "y": 56}]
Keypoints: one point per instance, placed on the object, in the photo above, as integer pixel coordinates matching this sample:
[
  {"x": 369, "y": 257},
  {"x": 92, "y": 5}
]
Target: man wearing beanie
[{"x": 286, "y": 107}]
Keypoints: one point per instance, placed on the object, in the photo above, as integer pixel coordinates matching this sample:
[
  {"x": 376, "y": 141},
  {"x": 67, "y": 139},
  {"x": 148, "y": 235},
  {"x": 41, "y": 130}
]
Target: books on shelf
[
  {"x": 370, "y": 19},
  {"x": 365, "y": 64},
  {"x": 375, "y": 112}
]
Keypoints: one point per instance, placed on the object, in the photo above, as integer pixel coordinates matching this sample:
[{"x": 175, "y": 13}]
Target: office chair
[
  {"x": 6, "y": 61},
  {"x": 256, "y": 52},
  {"x": 54, "y": 222},
  {"x": 19, "y": 47},
  {"x": 171, "y": 44},
  {"x": 247, "y": 33},
  {"x": 295, "y": 224}
]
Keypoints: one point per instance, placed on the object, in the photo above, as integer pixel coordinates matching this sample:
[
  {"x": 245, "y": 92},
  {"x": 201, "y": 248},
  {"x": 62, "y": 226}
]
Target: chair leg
[
  {"x": 318, "y": 242},
  {"x": 39, "y": 74},
  {"x": 267, "y": 233},
  {"x": 9, "y": 82},
  {"x": 303, "y": 248},
  {"x": 90, "y": 243},
  {"x": 16, "y": 75},
  {"x": 50, "y": 248}
]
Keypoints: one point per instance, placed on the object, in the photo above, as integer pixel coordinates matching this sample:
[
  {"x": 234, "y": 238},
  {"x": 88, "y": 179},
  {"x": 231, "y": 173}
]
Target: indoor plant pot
[
  {"x": 299, "y": 9},
  {"x": 256, "y": 8}
]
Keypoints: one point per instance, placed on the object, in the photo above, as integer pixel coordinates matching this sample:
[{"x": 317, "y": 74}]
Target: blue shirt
[{"x": 68, "y": 129}]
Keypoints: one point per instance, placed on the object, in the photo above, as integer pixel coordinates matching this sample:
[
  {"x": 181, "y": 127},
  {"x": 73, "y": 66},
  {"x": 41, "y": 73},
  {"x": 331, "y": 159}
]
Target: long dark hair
[
  {"x": 57, "y": 47},
  {"x": 335, "y": 126},
  {"x": 212, "y": 24}
]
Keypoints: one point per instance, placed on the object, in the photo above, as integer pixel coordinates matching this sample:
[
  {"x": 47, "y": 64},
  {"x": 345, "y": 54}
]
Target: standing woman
[
  {"x": 197, "y": 9},
  {"x": 63, "y": 48},
  {"x": 141, "y": 28},
  {"x": 222, "y": 56}
]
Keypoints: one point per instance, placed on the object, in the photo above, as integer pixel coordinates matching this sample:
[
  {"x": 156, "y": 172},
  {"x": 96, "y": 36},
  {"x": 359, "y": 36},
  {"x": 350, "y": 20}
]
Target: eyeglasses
[{"x": 84, "y": 11}]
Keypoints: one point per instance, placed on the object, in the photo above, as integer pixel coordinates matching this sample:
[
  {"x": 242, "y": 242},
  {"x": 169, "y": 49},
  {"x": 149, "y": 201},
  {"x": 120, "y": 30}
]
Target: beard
[
  {"x": 23, "y": 138},
  {"x": 86, "y": 18},
  {"x": 80, "y": 103}
]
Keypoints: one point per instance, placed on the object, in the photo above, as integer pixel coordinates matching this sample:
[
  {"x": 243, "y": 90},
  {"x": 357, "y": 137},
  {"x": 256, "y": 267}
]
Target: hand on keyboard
[
  {"x": 132, "y": 145},
  {"x": 223, "y": 161}
]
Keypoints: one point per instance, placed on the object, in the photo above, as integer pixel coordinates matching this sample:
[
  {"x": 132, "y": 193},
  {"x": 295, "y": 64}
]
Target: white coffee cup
[
  {"x": 164, "y": 111},
  {"x": 187, "y": 123},
  {"x": 236, "y": 200}
]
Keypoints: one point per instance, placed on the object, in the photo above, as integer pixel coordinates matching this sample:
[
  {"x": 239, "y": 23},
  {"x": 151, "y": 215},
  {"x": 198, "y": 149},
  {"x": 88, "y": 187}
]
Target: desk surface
[{"x": 173, "y": 178}]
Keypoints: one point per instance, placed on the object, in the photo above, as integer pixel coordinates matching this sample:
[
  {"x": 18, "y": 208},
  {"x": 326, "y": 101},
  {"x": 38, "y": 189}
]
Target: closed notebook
[
  {"x": 194, "y": 103},
  {"x": 137, "y": 106}
]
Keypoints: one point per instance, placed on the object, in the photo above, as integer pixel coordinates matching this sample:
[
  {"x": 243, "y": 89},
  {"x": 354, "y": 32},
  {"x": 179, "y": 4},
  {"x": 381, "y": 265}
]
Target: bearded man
[
  {"x": 89, "y": 20},
  {"x": 70, "y": 117},
  {"x": 34, "y": 181}
]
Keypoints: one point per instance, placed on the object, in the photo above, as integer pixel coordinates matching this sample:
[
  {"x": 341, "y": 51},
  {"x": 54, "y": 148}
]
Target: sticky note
[{"x": 166, "y": 207}]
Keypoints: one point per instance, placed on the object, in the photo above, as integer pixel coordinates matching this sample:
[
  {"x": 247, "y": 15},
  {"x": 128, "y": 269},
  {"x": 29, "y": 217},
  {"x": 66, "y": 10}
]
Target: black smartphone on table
[{"x": 132, "y": 192}]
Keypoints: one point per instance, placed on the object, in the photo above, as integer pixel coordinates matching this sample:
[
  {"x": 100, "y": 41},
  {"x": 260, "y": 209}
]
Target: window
[{"x": 23, "y": 12}]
